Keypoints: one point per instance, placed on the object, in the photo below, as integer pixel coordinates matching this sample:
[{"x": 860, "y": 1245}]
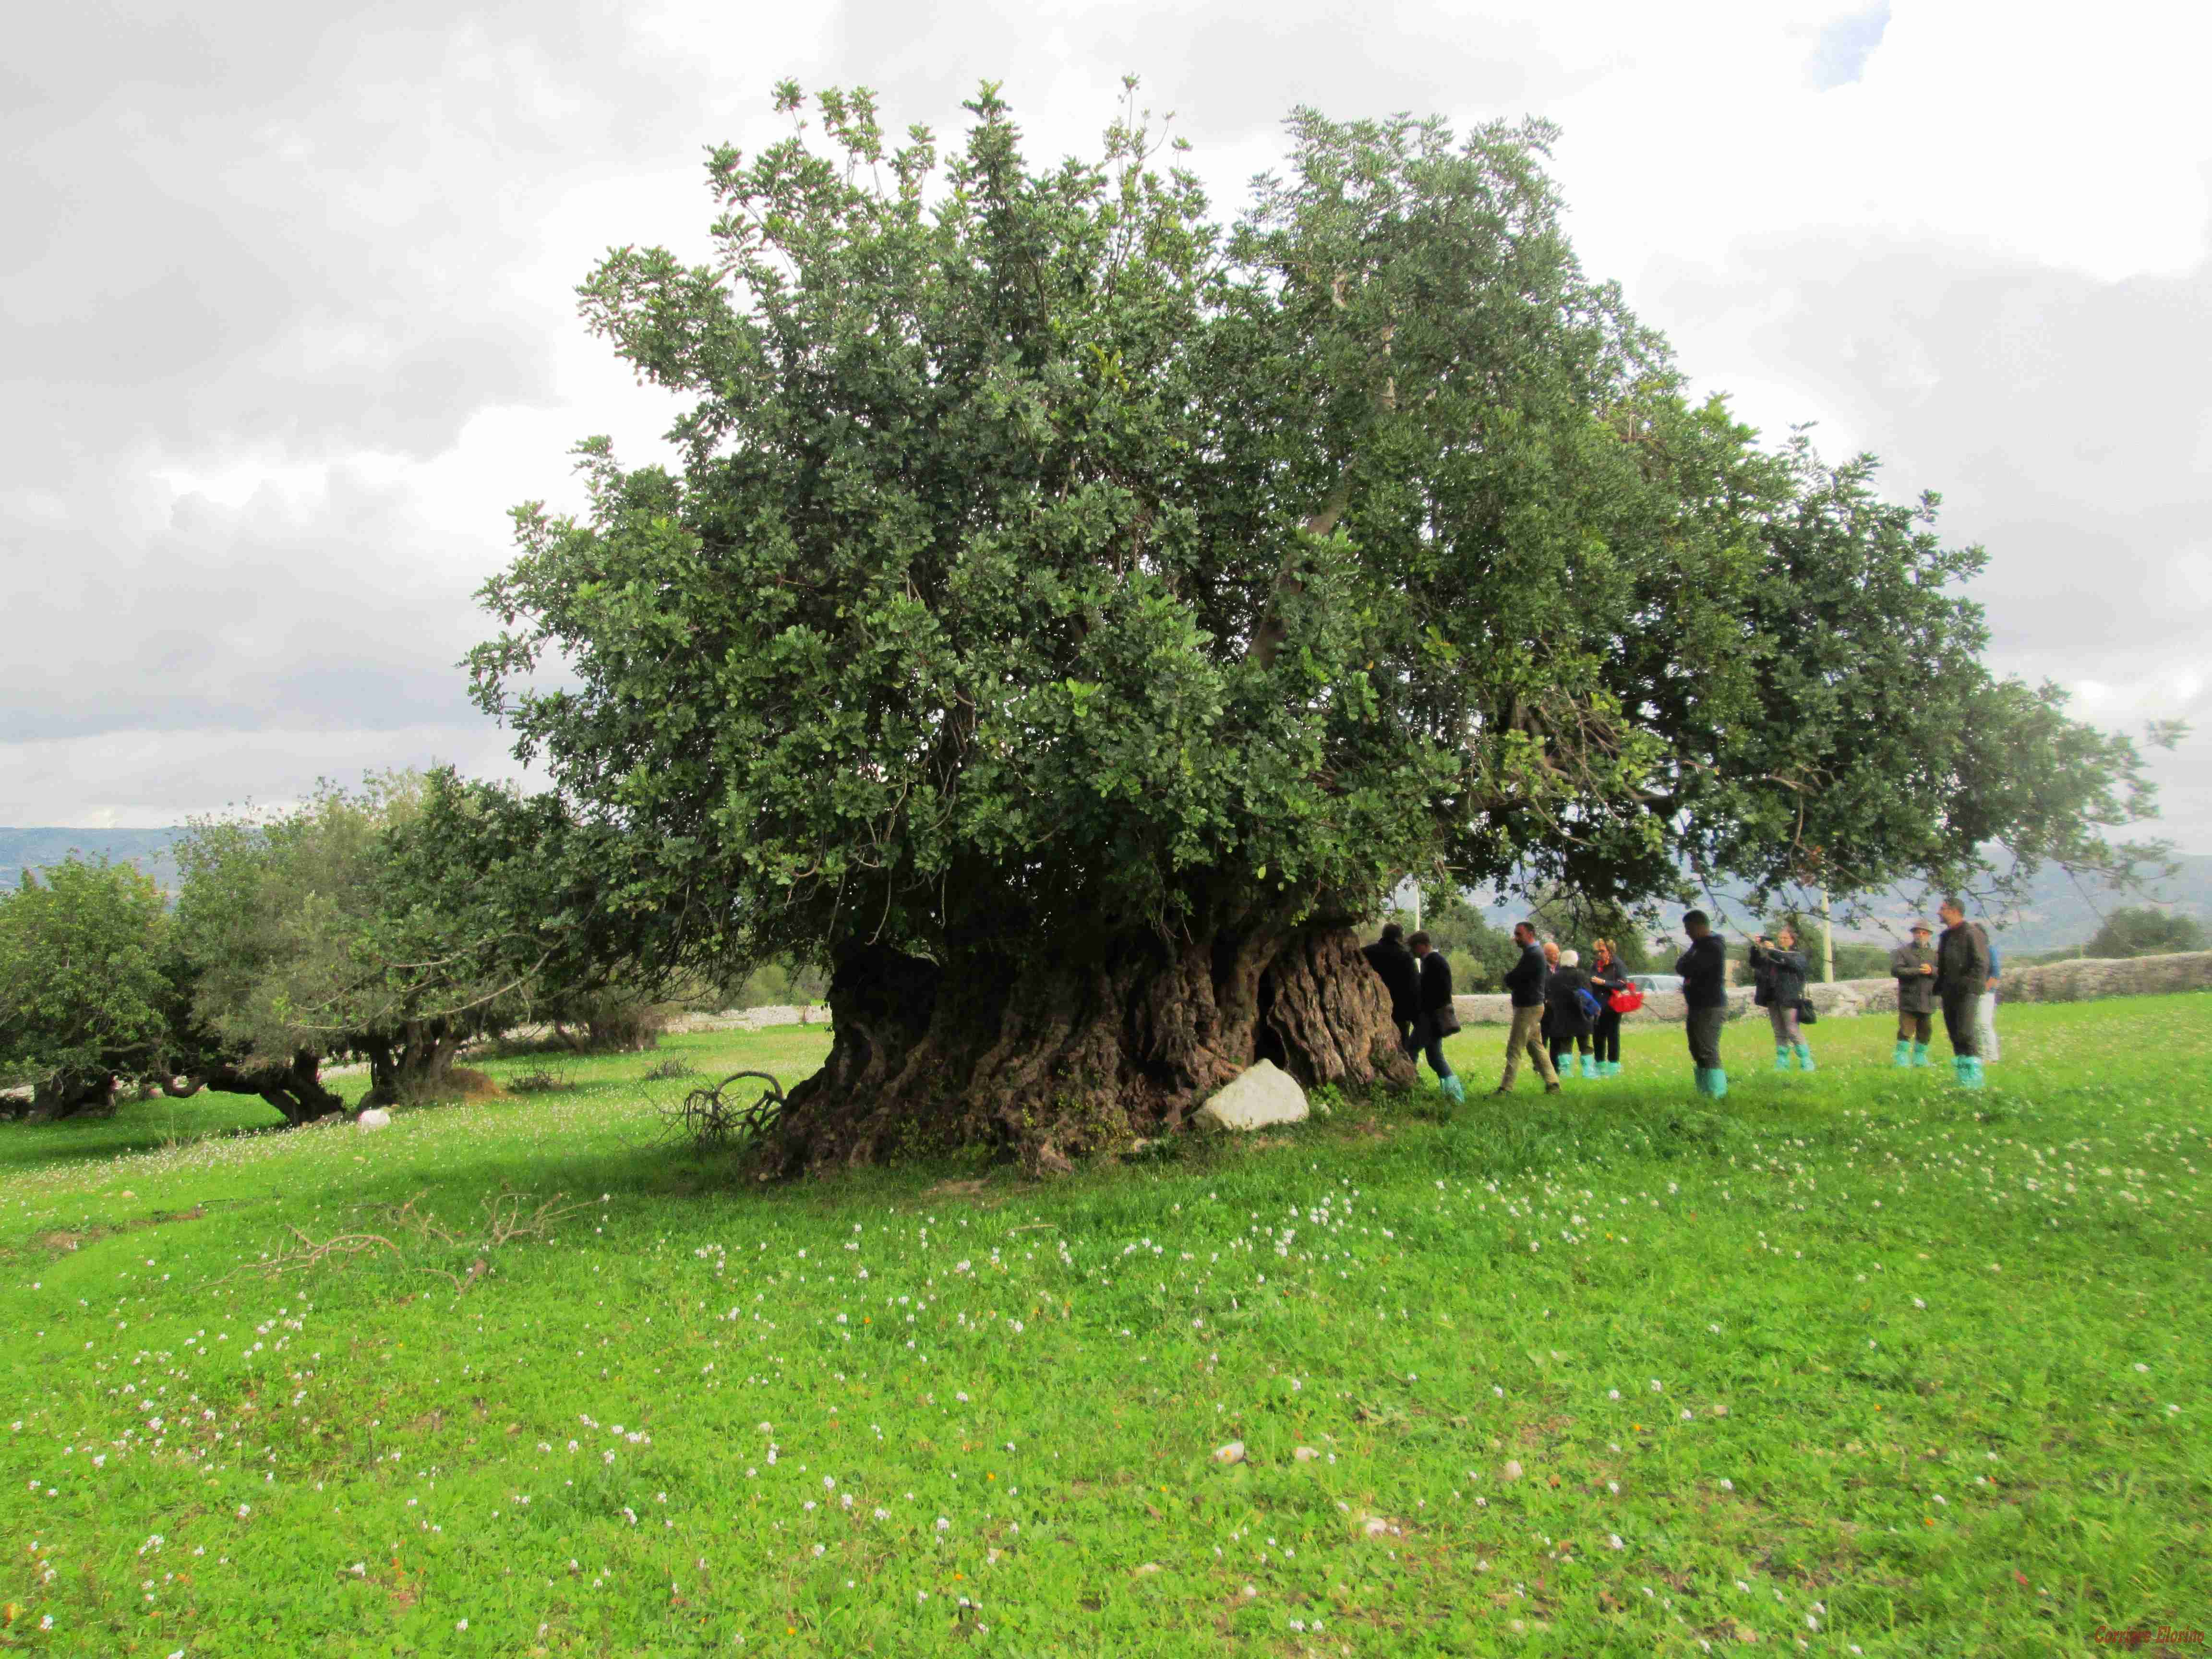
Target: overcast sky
[{"x": 287, "y": 320}]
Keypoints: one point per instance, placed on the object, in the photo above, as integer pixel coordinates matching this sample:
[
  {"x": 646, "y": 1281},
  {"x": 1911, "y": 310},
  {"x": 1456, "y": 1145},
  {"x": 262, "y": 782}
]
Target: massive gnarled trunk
[
  {"x": 412, "y": 1063},
  {"x": 1071, "y": 1050}
]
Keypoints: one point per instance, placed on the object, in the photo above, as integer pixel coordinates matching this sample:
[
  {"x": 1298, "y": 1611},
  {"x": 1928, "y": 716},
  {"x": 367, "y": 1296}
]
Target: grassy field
[{"x": 1856, "y": 1363}]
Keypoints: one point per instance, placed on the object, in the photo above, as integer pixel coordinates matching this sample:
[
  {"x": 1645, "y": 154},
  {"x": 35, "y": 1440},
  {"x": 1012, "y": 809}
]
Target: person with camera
[{"x": 1780, "y": 967}]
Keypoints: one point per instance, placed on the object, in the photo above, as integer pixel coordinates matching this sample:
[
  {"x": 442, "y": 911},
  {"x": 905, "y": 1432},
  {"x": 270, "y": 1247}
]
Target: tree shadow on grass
[{"x": 138, "y": 1126}]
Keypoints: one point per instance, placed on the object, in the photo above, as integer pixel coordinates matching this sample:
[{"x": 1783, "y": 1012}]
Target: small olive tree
[{"x": 86, "y": 997}]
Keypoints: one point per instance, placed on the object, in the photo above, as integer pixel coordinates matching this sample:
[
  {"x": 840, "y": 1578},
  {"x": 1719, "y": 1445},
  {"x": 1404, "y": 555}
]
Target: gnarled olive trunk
[
  {"x": 73, "y": 1094},
  {"x": 412, "y": 1063},
  {"x": 1066, "y": 1050},
  {"x": 294, "y": 1087}
]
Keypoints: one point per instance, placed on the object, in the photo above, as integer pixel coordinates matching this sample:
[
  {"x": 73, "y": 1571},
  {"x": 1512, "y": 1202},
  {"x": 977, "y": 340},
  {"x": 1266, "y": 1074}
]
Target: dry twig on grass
[{"x": 505, "y": 1220}]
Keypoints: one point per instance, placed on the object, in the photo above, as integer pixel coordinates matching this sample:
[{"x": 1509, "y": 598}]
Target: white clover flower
[{"x": 1613, "y": 1541}]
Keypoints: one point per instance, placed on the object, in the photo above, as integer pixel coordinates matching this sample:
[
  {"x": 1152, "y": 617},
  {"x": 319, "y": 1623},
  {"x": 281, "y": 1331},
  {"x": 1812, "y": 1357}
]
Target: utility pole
[{"x": 1828, "y": 942}]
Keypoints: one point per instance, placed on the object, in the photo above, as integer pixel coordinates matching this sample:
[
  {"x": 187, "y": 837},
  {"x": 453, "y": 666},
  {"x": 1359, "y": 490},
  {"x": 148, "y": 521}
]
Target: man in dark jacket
[
  {"x": 1524, "y": 979},
  {"x": 1913, "y": 967},
  {"x": 1962, "y": 972},
  {"x": 1704, "y": 969},
  {"x": 1394, "y": 965},
  {"x": 1434, "y": 1018}
]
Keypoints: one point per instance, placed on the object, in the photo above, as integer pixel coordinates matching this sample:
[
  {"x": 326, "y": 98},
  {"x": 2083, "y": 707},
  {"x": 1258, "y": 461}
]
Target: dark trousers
[
  {"x": 1564, "y": 1044},
  {"x": 1703, "y": 1028},
  {"x": 1606, "y": 1037},
  {"x": 1959, "y": 1026},
  {"x": 1916, "y": 1028},
  {"x": 1431, "y": 1041}
]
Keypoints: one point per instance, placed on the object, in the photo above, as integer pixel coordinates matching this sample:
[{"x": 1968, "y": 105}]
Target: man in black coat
[
  {"x": 1962, "y": 973},
  {"x": 1525, "y": 981},
  {"x": 1704, "y": 969},
  {"x": 1435, "y": 1018},
  {"x": 1394, "y": 965}
]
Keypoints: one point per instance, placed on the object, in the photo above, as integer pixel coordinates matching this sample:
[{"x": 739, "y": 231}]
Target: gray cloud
[{"x": 332, "y": 241}]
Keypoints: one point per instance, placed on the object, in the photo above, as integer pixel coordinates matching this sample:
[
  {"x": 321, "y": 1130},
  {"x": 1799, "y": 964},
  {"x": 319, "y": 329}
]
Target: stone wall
[
  {"x": 2055, "y": 981},
  {"x": 2089, "y": 978},
  {"x": 750, "y": 1019}
]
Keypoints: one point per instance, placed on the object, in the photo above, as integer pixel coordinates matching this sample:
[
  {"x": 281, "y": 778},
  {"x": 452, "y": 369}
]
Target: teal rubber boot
[
  {"x": 1805, "y": 1057},
  {"x": 1720, "y": 1083},
  {"x": 1781, "y": 1057},
  {"x": 1704, "y": 1081},
  {"x": 1970, "y": 1071},
  {"x": 1590, "y": 1067},
  {"x": 1903, "y": 1057},
  {"x": 1920, "y": 1054},
  {"x": 1613, "y": 1068},
  {"x": 1454, "y": 1091}
]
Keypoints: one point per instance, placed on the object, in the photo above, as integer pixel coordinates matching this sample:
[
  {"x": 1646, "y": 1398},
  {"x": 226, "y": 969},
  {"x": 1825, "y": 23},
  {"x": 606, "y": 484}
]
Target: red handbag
[{"x": 1626, "y": 1000}]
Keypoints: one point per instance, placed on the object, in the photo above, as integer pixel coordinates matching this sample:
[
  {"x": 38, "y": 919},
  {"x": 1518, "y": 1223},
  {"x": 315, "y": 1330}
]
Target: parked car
[{"x": 1651, "y": 984}]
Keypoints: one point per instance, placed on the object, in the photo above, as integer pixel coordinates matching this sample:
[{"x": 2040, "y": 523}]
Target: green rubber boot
[
  {"x": 1781, "y": 1057},
  {"x": 1969, "y": 1070},
  {"x": 1805, "y": 1057},
  {"x": 1920, "y": 1054},
  {"x": 1613, "y": 1068},
  {"x": 1903, "y": 1058},
  {"x": 1704, "y": 1081},
  {"x": 1454, "y": 1091},
  {"x": 1590, "y": 1067},
  {"x": 1720, "y": 1083}
]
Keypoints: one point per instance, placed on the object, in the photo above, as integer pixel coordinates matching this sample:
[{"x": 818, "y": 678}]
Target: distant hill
[{"x": 35, "y": 849}]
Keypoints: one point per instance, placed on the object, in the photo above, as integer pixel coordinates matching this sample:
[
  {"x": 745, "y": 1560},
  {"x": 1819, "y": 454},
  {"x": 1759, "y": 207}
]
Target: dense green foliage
[
  {"x": 396, "y": 922},
  {"x": 1048, "y": 555},
  {"x": 2143, "y": 930},
  {"x": 86, "y": 988},
  {"x": 1937, "y": 1328}
]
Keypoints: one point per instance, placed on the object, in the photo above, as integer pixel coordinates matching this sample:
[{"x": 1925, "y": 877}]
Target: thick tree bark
[
  {"x": 1054, "y": 1054},
  {"x": 412, "y": 1064},
  {"x": 73, "y": 1094},
  {"x": 293, "y": 1088}
]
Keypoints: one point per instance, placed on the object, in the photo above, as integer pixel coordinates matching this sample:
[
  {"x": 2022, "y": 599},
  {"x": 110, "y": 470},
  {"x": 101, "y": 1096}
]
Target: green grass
[{"x": 1855, "y": 1359}]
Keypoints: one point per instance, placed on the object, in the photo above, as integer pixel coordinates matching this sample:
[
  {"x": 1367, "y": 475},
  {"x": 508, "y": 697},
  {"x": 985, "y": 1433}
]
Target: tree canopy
[
  {"x": 2144, "y": 930},
  {"x": 84, "y": 996},
  {"x": 1063, "y": 584}
]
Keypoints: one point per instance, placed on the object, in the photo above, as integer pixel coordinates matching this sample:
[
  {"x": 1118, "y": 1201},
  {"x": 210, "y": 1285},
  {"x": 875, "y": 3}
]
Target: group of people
[
  {"x": 1567, "y": 1018},
  {"x": 1958, "y": 974}
]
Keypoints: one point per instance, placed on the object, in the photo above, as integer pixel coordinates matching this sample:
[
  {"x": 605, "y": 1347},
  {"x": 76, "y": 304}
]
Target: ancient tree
[{"x": 1070, "y": 610}]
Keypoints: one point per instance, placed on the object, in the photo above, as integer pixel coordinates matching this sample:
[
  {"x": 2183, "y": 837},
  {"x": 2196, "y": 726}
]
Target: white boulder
[
  {"x": 374, "y": 1117},
  {"x": 1264, "y": 1094}
]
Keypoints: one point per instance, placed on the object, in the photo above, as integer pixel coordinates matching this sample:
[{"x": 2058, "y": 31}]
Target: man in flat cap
[{"x": 1914, "y": 967}]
